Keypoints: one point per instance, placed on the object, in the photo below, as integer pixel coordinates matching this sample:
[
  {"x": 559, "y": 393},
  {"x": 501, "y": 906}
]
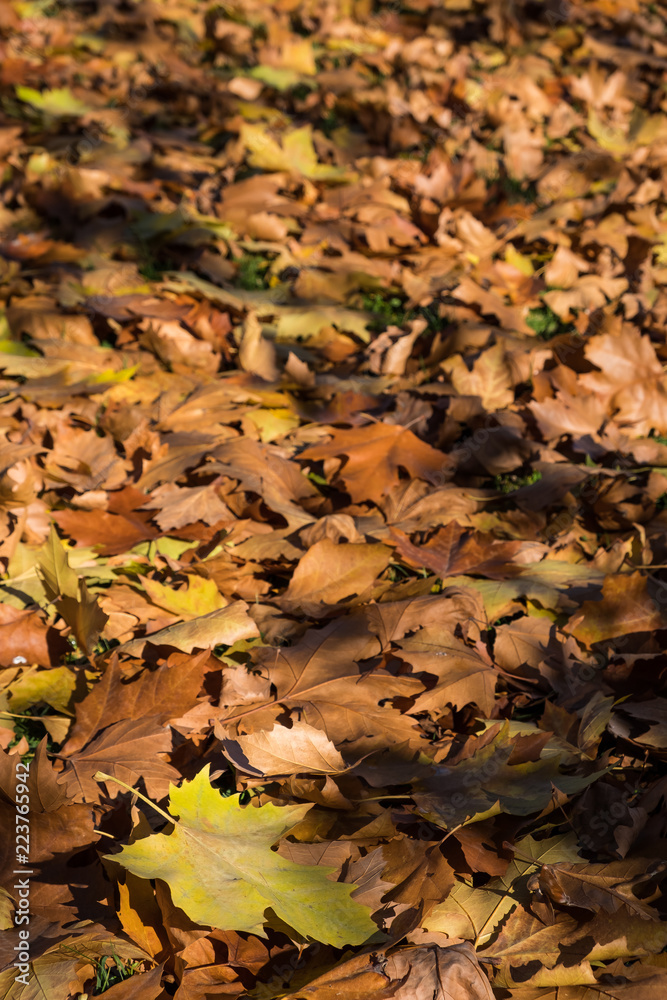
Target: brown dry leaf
[
  {"x": 521, "y": 644},
  {"x": 84, "y": 616},
  {"x": 315, "y": 677},
  {"x": 175, "y": 346},
  {"x": 170, "y": 690},
  {"x": 282, "y": 751},
  {"x": 64, "y": 967},
  {"x": 569, "y": 414},
  {"x": 384, "y": 448},
  {"x": 329, "y": 573},
  {"x": 257, "y": 354},
  {"x": 414, "y": 506},
  {"x": 593, "y": 887},
  {"x": 453, "y": 606},
  {"x": 127, "y": 750},
  {"x": 110, "y": 532},
  {"x": 625, "y": 606},
  {"x": 216, "y": 981},
  {"x": 356, "y": 979},
  {"x": 140, "y": 915},
  {"x": 647, "y": 725},
  {"x": 434, "y": 972},
  {"x": 630, "y": 381},
  {"x": 463, "y": 675},
  {"x": 38, "y": 316},
  {"x": 526, "y": 944},
  {"x": 84, "y": 460},
  {"x": 177, "y": 506},
  {"x": 25, "y": 634},
  {"x": 490, "y": 378},
  {"x": 454, "y": 550},
  {"x": 59, "y": 826},
  {"x": 589, "y": 292},
  {"x": 337, "y": 527},
  {"x": 144, "y": 986},
  {"x": 263, "y": 470}
]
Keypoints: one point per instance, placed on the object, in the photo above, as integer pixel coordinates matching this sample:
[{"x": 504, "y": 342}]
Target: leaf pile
[{"x": 333, "y": 497}]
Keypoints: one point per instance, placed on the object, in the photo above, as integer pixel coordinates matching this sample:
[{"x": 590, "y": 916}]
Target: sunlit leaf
[{"x": 219, "y": 865}]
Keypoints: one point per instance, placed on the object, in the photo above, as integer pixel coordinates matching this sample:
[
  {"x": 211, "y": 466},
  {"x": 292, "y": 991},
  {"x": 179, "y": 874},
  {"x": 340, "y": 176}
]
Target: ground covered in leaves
[{"x": 333, "y": 499}]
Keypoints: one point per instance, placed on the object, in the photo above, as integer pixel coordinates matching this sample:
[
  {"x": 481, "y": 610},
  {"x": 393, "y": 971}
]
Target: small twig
[{"x": 101, "y": 776}]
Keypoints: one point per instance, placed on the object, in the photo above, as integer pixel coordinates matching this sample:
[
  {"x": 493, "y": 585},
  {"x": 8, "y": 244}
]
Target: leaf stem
[
  {"x": 101, "y": 776},
  {"x": 524, "y": 857}
]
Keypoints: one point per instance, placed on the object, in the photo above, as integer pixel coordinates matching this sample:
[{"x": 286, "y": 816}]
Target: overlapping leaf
[{"x": 221, "y": 870}]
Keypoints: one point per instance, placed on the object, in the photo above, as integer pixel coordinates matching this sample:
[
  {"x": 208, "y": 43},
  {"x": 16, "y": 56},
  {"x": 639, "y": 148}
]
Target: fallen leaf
[
  {"x": 297, "y": 154},
  {"x": 593, "y": 887},
  {"x": 329, "y": 572},
  {"x": 80, "y": 609},
  {"x": 385, "y": 448},
  {"x": 244, "y": 877},
  {"x": 285, "y": 751},
  {"x": 437, "y": 973},
  {"x": 223, "y": 627},
  {"x": 59, "y": 101},
  {"x": 200, "y": 597},
  {"x": 486, "y": 783},
  {"x": 625, "y": 606},
  {"x": 127, "y": 750}
]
